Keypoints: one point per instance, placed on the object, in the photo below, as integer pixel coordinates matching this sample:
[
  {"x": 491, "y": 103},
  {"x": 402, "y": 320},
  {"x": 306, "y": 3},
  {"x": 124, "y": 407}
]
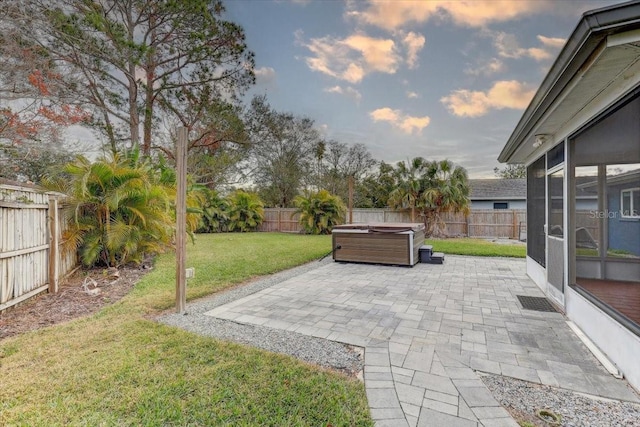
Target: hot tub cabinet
[{"x": 384, "y": 243}]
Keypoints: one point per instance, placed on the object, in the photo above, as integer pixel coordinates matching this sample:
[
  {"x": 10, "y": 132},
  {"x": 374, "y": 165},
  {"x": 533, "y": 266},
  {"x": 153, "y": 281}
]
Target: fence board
[
  {"x": 491, "y": 223},
  {"x": 25, "y": 244}
]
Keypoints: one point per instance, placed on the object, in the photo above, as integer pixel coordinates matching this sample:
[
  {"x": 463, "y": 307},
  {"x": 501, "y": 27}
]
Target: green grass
[
  {"x": 119, "y": 367},
  {"x": 476, "y": 247}
]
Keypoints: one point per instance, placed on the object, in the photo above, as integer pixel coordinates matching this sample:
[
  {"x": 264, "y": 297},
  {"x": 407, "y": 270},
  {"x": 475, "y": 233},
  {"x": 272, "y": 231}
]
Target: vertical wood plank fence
[
  {"x": 507, "y": 223},
  {"x": 31, "y": 260}
]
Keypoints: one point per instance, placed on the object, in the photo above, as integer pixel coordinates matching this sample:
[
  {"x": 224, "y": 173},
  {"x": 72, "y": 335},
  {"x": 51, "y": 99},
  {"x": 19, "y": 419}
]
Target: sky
[{"x": 436, "y": 79}]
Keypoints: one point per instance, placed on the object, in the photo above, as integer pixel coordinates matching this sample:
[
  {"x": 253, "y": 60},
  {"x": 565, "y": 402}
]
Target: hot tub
[{"x": 378, "y": 243}]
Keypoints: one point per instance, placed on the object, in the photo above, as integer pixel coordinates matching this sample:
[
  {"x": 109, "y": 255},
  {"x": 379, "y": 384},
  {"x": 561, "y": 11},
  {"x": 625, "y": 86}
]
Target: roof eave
[{"x": 594, "y": 26}]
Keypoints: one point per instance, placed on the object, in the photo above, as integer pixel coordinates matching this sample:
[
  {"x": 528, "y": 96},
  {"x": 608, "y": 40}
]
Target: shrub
[
  {"x": 215, "y": 213},
  {"x": 319, "y": 212},
  {"x": 246, "y": 211},
  {"x": 119, "y": 210}
]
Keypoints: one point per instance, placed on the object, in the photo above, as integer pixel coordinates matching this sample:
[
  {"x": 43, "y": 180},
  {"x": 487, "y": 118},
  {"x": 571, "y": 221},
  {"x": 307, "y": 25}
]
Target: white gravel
[
  {"x": 523, "y": 399},
  {"x": 322, "y": 352}
]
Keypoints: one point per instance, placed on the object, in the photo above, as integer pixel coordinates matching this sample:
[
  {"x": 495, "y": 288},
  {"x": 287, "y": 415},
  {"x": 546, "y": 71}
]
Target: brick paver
[{"x": 428, "y": 331}]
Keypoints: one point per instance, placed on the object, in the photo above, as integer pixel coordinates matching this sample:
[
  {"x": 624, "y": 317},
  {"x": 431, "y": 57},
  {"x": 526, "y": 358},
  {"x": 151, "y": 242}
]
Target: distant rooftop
[{"x": 496, "y": 189}]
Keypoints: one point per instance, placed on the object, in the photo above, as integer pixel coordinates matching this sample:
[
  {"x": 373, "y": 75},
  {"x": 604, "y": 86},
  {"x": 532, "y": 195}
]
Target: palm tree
[
  {"x": 431, "y": 188},
  {"x": 246, "y": 211},
  {"x": 410, "y": 185},
  {"x": 319, "y": 212},
  {"x": 447, "y": 190},
  {"x": 118, "y": 209}
]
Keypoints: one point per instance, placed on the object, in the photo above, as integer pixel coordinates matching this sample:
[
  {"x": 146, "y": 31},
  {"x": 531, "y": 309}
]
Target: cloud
[
  {"x": 411, "y": 94},
  {"x": 407, "y": 124},
  {"x": 265, "y": 74},
  {"x": 503, "y": 94},
  {"x": 508, "y": 47},
  {"x": 351, "y": 58},
  {"x": 552, "y": 42},
  {"x": 348, "y": 91},
  {"x": 392, "y": 15},
  {"x": 414, "y": 43},
  {"x": 486, "y": 67}
]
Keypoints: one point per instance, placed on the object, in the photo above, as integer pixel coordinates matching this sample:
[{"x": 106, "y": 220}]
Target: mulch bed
[{"x": 82, "y": 293}]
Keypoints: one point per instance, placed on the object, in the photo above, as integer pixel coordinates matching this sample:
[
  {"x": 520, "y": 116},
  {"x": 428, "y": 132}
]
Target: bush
[
  {"x": 119, "y": 209},
  {"x": 319, "y": 212},
  {"x": 246, "y": 211},
  {"x": 215, "y": 213}
]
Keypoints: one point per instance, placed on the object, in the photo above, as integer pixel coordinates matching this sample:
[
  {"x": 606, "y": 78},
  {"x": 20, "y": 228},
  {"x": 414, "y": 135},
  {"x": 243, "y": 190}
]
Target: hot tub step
[{"x": 436, "y": 258}]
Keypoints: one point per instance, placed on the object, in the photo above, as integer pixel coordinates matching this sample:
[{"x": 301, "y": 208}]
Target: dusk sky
[{"x": 433, "y": 78}]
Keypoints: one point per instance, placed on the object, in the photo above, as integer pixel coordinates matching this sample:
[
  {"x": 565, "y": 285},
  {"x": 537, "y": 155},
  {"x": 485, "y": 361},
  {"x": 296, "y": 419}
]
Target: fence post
[
  {"x": 54, "y": 229},
  {"x": 466, "y": 224},
  {"x": 514, "y": 235},
  {"x": 279, "y": 220}
]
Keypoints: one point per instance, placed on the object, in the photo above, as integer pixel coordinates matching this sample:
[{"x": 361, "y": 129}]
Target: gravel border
[
  {"x": 522, "y": 399},
  {"x": 318, "y": 351}
]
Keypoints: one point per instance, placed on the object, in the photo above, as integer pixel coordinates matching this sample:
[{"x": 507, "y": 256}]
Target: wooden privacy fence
[
  {"x": 503, "y": 223},
  {"x": 31, "y": 260}
]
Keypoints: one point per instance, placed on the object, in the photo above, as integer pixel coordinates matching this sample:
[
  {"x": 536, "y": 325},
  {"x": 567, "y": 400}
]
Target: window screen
[{"x": 536, "y": 211}]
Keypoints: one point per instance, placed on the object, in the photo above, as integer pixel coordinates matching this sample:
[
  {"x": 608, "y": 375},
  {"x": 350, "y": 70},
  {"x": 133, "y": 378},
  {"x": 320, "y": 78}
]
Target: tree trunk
[{"x": 150, "y": 74}]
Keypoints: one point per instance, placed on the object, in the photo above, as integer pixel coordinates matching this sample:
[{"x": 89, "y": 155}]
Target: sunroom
[{"x": 580, "y": 140}]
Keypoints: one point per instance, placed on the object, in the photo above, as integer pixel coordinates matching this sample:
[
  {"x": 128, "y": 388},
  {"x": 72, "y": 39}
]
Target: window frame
[
  {"x": 505, "y": 204},
  {"x": 632, "y": 209}
]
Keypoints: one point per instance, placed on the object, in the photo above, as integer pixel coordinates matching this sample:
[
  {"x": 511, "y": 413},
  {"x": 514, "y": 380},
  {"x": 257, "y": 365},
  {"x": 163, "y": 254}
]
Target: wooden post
[
  {"x": 351, "y": 200},
  {"x": 466, "y": 224},
  {"x": 279, "y": 219},
  {"x": 515, "y": 225},
  {"x": 54, "y": 229},
  {"x": 181, "y": 221}
]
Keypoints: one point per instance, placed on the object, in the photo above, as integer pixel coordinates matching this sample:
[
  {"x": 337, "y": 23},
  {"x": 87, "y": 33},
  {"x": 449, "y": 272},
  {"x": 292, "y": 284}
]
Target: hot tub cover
[{"x": 389, "y": 227}]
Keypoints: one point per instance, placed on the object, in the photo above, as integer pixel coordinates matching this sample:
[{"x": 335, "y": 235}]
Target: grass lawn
[
  {"x": 119, "y": 367},
  {"x": 476, "y": 247}
]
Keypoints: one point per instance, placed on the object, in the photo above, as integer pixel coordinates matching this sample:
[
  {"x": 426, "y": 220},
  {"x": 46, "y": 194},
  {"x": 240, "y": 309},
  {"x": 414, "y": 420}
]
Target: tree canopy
[{"x": 133, "y": 63}]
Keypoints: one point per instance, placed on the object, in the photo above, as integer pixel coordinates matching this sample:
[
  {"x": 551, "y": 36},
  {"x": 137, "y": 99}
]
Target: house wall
[
  {"x": 488, "y": 204},
  {"x": 623, "y": 232}
]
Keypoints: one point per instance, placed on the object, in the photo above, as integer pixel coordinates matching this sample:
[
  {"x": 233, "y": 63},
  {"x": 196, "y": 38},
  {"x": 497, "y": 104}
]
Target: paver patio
[{"x": 427, "y": 332}]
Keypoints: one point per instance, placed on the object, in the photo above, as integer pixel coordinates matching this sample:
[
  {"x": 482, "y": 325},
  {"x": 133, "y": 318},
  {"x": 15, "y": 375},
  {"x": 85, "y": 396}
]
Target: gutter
[{"x": 592, "y": 29}]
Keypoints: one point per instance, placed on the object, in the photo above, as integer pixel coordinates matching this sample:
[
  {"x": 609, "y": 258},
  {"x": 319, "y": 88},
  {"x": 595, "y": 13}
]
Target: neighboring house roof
[
  {"x": 602, "y": 46},
  {"x": 498, "y": 189}
]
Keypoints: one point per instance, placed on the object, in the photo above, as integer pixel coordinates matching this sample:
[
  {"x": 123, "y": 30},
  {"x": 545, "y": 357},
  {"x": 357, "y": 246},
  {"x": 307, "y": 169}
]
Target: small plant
[
  {"x": 246, "y": 211},
  {"x": 319, "y": 212}
]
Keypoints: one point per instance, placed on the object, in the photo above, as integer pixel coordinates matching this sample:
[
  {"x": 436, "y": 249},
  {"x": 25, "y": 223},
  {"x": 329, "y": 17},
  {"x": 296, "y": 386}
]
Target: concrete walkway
[{"x": 428, "y": 330}]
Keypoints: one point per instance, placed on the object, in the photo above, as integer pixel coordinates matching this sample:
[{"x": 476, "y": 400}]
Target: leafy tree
[
  {"x": 132, "y": 62},
  {"x": 374, "y": 190},
  {"x": 342, "y": 162},
  {"x": 246, "y": 211},
  {"x": 119, "y": 210},
  {"x": 319, "y": 211},
  {"x": 31, "y": 162},
  {"x": 511, "y": 172},
  {"x": 33, "y": 106},
  {"x": 431, "y": 188},
  {"x": 281, "y": 152}
]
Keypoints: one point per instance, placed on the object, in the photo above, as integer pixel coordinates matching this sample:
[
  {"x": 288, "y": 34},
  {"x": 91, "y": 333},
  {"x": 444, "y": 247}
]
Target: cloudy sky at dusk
[{"x": 432, "y": 78}]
